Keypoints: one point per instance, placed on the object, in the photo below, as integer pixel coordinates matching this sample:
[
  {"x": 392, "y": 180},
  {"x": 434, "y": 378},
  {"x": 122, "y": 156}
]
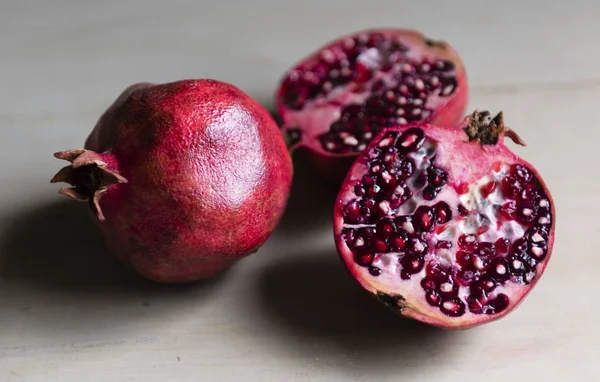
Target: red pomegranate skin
[{"x": 208, "y": 177}]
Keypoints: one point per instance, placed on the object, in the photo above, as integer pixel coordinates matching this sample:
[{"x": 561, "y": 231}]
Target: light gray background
[{"x": 70, "y": 312}]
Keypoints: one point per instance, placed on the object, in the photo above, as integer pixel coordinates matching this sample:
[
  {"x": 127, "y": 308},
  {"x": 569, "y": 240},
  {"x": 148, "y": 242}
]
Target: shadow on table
[
  {"x": 310, "y": 206},
  {"x": 316, "y": 302},
  {"x": 53, "y": 256}
]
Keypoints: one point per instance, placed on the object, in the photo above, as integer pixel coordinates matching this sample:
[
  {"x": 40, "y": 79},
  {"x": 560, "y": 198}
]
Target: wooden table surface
[{"x": 70, "y": 312}]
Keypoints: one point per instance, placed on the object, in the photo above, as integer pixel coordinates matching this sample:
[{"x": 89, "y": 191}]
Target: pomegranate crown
[
  {"x": 482, "y": 128},
  {"x": 89, "y": 177}
]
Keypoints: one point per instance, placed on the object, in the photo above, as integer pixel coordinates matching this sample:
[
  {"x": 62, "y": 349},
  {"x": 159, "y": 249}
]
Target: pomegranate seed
[
  {"x": 436, "y": 272},
  {"x": 386, "y": 227},
  {"x": 463, "y": 259},
  {"x": 453, "y": 308},
  {"x": 386, "y": 180},
  {"x": 429, "y": 193},
  {"x": 352, "y": 212},
  {"x": 372, "y": 191},
  {"x": 362, "y": 73},
  {"x": 538, "y": 252},
  {"x": 398, "y": 243},
  {"x": 384, "y": 208},
  {"x": 428, "y": 284},
  {"x": 519, "y": 246},
  {"x": 406, "y": 223},
  {"x": 376, "y": 167},
  {"x": 483, "y": 287},
  {"x": 436, "y": 177},
  {"x": 526, "y": 214},
  {"x": 517, "y": 265},
  {"x": 478, "y": 263},
  {"x": 449, "y": 87},
  {"x": 424, "y": 68},
  {"x": 448, "y": 289},
  {"x": 400, "y": 195},
  {"x": 510, "y": 187},
  {"x": 485, "y": 250},
  {"x": 475, "y": 306},
  {"x": 349, "y": 235},
  {"x": 502, "y": 245},
  {"x": 499, "y": 269},
  {"x": 545, "y": 219},
  {"x": 365, "y": 260},
  {"x": 528, "y": 195},
  {"x": 499, "y": 304},
  {"x": 423, "y": 219},
  {"x": 368, "y": 180},
  {"x": 537, "y": 234},
  {"x": 487, "y": 189},
  {"x": 293, "y": 136},
  {"x": 359, "y": 190},
  {"x": 442, "y": 212},
  {"x": 443, "y": 244},
  {"x": 462, "y": 188},
  {"x": 488, "y": 285},
  {"x": 406, "y": 167},
  {"x": 543, "y": 203},
  {"x": 466, "y": 276},
  {"x": 359, "y": 244},
  {"x": 411, "y": 140},
  {"x": 522, "y": 173},
  {"x": 412, "y": 264},
  {"x": 508, "y": 210},
  {"x": 462, "y": 210},
  {"x": 369, "y": 204},
  {"x": 468, "y": 242},
  {"x": 433, "y": 298},
  {"x": 380, "y": 246}
]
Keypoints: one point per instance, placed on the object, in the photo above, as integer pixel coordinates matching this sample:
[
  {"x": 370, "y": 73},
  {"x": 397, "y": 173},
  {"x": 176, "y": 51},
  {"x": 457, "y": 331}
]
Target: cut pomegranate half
[
  {"x": 445, "y": 225},
  {"x": 337, "y": 99}
]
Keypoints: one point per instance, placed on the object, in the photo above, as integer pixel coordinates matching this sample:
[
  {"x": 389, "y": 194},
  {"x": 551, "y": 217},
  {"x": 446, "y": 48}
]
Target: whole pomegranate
[
  {"x": 336, "y": 100},
  {"x": 183, "y": 178},
  {"x": 445, "y": 225}
]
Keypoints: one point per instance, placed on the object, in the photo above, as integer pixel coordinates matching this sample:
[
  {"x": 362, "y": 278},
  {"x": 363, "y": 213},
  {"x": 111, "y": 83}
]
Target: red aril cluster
[{"x": 336, "y": 100}]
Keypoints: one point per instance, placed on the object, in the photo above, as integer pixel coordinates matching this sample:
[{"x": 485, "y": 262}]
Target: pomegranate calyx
[
  {"x": 435, "y": 43},
  {"x": 487, "y": 130},
  {"x": 89, "y": 176},
  {"x": 393, "y": 302}
]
